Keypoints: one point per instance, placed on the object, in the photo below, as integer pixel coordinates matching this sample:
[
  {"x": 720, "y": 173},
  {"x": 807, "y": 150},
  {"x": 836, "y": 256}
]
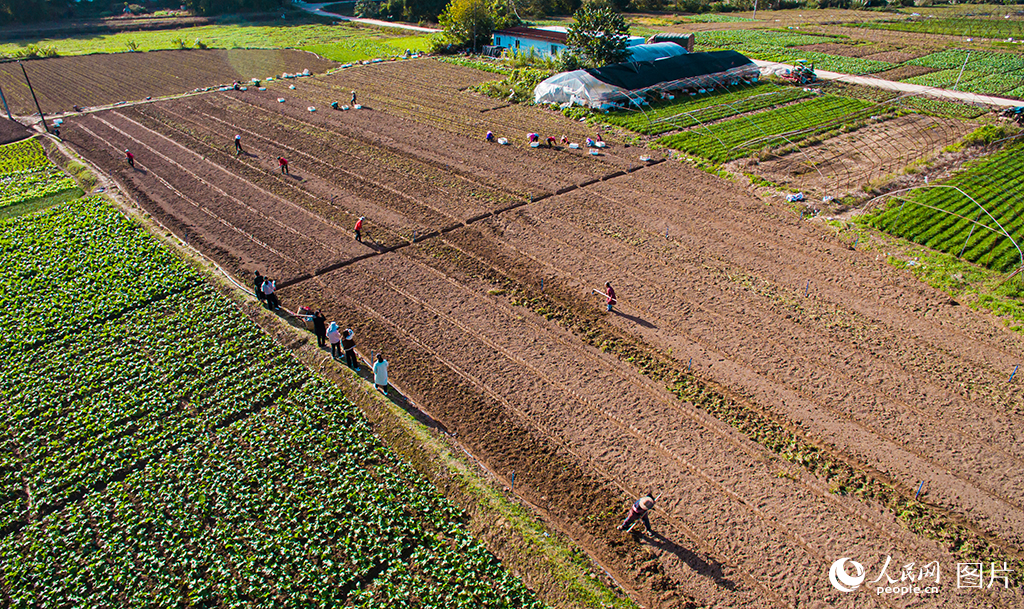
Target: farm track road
[{"x": 856, "y": 355}]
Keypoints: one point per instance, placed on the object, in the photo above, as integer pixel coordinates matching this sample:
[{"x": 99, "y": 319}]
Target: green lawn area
[{"x": 340, "y": 42}]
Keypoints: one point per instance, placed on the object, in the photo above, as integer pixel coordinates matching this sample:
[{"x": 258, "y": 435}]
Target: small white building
[{"x": 546, "y": 41}]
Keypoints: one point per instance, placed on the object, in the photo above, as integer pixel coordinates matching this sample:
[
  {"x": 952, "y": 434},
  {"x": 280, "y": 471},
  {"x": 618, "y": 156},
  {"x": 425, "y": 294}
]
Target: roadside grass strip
[
  {"x": 683, "y": 112},
  {"x": 944, "y": 219},
  {"x": 159, "y": 450},
  {"x": 739, "y": 137}
]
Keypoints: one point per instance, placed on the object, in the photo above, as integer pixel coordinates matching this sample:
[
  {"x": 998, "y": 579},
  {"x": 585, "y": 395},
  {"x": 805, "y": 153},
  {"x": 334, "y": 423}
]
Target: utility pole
[
  {"x": 8, "y": 110},
  {"x": 34, "y": 96}
]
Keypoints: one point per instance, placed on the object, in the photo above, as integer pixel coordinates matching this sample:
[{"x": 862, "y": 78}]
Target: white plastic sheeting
[{"x": 576, "y": 88}]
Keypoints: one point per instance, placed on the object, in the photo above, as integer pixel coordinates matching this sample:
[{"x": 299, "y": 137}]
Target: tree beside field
[
  {"x": 469, "y": 24},
  {"x": 598, "y": 36}
]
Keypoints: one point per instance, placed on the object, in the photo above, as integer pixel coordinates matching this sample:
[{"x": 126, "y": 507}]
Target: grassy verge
[
  {"x": 843, "y": 474},
  {"x": 358, "y": 49}
]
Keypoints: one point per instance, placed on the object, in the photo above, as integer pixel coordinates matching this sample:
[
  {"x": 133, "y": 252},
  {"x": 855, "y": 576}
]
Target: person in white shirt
[
  {"x": 269, "y": 287},
  {"x": 380, "y": 374}
]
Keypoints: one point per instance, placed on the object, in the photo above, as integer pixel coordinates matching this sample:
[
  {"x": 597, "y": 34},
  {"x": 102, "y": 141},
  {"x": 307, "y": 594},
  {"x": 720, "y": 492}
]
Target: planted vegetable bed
[
  {"x": 159, "y": 449},
  {"x": 739, "y": 137},
  {"x": 684, "y": 112},
  {"x": 947, "y": 220}
]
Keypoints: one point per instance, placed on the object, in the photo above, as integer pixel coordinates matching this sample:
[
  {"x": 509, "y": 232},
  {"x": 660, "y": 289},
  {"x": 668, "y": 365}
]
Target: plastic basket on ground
[
  {"x": 358, "y": 107},
  {"x": 599, "y": 144},
  {"x": 503, "y": 141},
  {"x": 574, "y": 146}
]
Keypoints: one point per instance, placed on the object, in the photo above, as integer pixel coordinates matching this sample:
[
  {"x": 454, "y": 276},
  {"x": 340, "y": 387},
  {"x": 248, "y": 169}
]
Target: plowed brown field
[
  {"x": 61, "y": 83},
  {"x": 475, "y": 279}
]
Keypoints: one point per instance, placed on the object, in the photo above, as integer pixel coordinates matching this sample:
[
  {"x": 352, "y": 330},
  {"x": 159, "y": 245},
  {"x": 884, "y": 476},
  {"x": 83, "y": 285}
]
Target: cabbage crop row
[
  {"x": 157, "y": 449},
  {"x": 26, "y": 155},
  {"x": 28, "y": 185}
]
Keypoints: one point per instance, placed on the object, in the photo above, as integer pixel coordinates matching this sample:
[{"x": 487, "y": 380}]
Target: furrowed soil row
[
  {"x": 950, "y": 340},
  {"x": 97, "y": 80},
  {"x": 412, "y": 148},
  {"x": 800, "y": 338},
  {"x": 543, "y": 168},
  {"x": 310, "y": 190},
  {"x": 675, "y": 407},
  {"x": 720, "y": 323},
  {"x": 871, "y": 488},
  {"x": 322, "y": 238},
  {"x": 231, "y": 253},
  {"x": 714, "y": 324},
  {"x": 493, "y": 330},
  {"x": 328, "y": 159},
  {"x": 247, "y": 223}
]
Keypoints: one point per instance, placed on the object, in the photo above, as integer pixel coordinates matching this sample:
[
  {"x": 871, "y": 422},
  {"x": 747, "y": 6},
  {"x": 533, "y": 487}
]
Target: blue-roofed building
[{"x": 542, "y": 42}]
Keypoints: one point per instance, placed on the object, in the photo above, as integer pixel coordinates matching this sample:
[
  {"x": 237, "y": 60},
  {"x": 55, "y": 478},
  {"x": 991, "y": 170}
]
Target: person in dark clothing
[
  {"x": 353, "y": 98},
  {"x": 348, "y": 343},
  {"x": 238, "y": 145},
  {"x": 320, "y": 328},
  {"x": 130, "y": 157},
  {"x": 257, "y": 284},
  {"x": 639, "y": 511}
]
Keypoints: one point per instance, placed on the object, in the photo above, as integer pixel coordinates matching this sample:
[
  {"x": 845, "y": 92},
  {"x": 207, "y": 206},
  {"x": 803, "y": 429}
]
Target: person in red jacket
[
  {"x": 130, "y": 157},
  {"x": 283, "y": 162},
  {"x": 359, "y": 227},
  {"x": 639, "y": 511},
  {"x": 609, "y": 292}
]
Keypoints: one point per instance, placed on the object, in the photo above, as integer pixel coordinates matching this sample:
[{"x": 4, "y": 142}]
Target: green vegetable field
[
  {"x": 684, "y": 112},
  {"x": 26, "y": 175},
  {"x": 943, "y": 218},
  {"x": 746, "y": 134},
  {"x": 158, "y": 449},
  {"x": 978, "y": 28}
]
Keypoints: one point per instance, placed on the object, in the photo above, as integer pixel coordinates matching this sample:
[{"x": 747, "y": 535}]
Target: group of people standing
[{"x": 340, "y": 341}]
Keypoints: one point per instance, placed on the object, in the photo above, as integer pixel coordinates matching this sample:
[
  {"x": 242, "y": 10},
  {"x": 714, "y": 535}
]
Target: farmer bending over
[{"x": 639, "y": 511}]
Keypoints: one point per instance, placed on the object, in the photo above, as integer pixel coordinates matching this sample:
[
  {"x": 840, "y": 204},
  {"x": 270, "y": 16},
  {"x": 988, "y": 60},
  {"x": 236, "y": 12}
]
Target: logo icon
[{"x": 843, "y": 581}]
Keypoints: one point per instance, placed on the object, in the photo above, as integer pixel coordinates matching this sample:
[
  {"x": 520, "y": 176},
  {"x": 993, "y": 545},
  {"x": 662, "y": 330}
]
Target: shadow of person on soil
[
  {"x": 140, "y": 170},
  {"x": 695, "y": 562},
  {"x": 635, "y": 319}
]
